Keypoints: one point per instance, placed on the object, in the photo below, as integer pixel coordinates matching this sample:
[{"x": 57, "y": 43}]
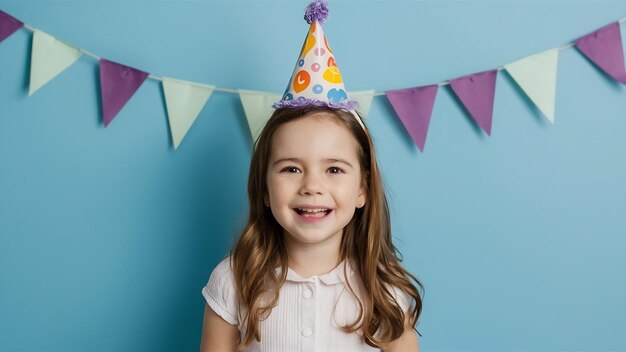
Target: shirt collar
[{"x": 335, "y": 276}]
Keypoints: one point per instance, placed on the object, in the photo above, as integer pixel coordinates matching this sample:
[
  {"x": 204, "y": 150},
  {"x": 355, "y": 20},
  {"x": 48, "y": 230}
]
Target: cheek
[
  {"x": 278, "y": 190},
  {"x": 348, "y": 194},
  {"x": 273, "y": 185}
]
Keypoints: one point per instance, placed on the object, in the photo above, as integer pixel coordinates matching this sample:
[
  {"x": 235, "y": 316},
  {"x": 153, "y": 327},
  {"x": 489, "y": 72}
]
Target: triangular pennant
[
  {"x": 476, "y": 92},
  {"x": 536, "y": 76},
  {"x": 258, "y": 109},
  {"x": 184, "y": 101},
  {"x": 604, "y": 48},
  {"x": 414, "y": 107},
  {"x": 8, "y": 25},
  {"x": 364, "y": 98},
  {"x": 49, "y": 57},
  {"x": 118, "y": 83}
]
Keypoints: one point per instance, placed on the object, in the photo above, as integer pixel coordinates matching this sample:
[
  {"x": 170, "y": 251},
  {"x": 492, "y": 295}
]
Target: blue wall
[{"x": 108, "y": 235}]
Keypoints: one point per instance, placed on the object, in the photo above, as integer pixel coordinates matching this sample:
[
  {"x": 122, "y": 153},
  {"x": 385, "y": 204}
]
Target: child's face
[{"x": 313, "y": 178}]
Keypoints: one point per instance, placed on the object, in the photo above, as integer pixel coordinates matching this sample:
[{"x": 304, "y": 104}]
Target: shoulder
[
  {"x": 220, "y": 291},
  {"x": 405, "y": 301},
  {"x": 224, "y": 268},
  {"x": 222, "y": 276}
]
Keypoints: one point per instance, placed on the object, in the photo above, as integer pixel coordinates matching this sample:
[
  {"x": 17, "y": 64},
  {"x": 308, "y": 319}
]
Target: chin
[{"x": 311, "y": 238}]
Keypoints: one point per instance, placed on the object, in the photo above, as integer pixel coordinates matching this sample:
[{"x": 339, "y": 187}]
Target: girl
[{"x": 315, "y": 268}]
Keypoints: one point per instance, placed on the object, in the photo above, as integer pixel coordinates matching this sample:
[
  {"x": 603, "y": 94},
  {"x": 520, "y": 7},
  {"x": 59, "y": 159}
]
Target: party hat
[{"x": 316, "y": 80}]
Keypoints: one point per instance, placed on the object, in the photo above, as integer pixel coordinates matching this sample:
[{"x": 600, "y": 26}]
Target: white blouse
[{"x": 308, "y": 315}]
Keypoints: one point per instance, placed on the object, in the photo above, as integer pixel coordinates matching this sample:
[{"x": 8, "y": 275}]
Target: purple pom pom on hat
[{"x": 317, "y": 11}]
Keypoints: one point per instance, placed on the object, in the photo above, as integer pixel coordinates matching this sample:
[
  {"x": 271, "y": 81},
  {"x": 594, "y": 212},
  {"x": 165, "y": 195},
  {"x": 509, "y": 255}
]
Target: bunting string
[
  {"x": 235, "y": 91},
  {"x": 561, "y": 48},
  {"x": 535, "y": 75},
  {"x": 152, "y": 77}
]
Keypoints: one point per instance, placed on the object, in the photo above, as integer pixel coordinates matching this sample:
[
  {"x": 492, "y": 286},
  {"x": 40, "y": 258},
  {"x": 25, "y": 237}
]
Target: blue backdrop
[{"x": 108, "y": 235}]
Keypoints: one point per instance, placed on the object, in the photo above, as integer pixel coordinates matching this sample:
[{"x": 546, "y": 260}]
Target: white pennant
[
  {"x": 536, "y": 76},
  {"x": 364, "y": 98},
  {"x": 258, "y": 109},
  {"x": 49, "y": 57},
  {"x": 184, "y": 101}
]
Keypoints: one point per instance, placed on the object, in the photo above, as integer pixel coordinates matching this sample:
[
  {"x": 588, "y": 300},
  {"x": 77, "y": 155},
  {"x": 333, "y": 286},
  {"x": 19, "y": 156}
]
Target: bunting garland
[
  {"x": 49, "y": 57},
  {"x": 8, "y": 25},
  {"x": 477, "y": 92},
  {"x": 118, "y": 83},
  {"x": 184, "y": 101},
  {"x": 535, "y": 75},
  {"x": 364, "y": 99},
  {"x": 604, "y": 48},
  {"x": 414, "y": 107},
  {"x": 258, "y": 108}
]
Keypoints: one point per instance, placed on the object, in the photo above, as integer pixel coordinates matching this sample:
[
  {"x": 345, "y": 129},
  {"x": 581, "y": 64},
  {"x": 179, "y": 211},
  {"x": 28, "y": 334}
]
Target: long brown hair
[{"x": 366, "y": 240}]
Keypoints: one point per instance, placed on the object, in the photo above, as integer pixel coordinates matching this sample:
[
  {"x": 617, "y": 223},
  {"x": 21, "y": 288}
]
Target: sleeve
[
  {"x": 405, "y": 301},
  {"x": 220, "y": 293}
]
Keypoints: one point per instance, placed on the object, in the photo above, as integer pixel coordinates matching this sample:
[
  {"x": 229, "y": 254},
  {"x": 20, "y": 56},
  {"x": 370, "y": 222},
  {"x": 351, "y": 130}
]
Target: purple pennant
[
  {"x": 414, "y": 107},
  {"x": 8, "y": 25},
  {"x": 476, "y": 92},
  {"x": 604, "y": 48},
  {"x": 118, "y": 83}
]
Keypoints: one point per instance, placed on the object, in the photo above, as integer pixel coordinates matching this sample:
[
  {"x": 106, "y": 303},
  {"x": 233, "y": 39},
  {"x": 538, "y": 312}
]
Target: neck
[{"x": 308, "y": 259}]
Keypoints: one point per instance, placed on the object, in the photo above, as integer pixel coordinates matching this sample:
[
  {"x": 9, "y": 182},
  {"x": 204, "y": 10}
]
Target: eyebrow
[{"x": 330, "y": 160}]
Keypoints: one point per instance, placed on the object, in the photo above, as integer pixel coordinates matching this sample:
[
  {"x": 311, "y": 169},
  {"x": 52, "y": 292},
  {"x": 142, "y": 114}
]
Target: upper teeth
[{"x": 311, "y": 210}]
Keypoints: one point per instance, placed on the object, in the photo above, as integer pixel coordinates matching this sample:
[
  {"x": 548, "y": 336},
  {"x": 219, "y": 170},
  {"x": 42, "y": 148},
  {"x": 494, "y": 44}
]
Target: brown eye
[
  {"x": 290, "y": 169},
  {"x": 335, "y": 170}
]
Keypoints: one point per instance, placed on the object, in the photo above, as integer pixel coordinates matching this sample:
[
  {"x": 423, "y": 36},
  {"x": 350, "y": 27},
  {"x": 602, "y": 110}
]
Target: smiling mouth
[{"x": 313, "y": 212}]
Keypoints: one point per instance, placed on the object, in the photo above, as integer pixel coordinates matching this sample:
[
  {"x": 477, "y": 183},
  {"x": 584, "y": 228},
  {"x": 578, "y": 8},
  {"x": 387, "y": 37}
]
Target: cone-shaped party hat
[{"x": 316, "y": 80}]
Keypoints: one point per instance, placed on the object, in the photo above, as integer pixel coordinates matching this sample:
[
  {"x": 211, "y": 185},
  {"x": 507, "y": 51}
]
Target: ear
[{"x": 362, "y": 198}]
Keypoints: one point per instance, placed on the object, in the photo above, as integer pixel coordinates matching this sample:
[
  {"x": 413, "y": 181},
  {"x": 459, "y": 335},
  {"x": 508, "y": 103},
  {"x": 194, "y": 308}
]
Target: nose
[{"x": 311, "y": 184}]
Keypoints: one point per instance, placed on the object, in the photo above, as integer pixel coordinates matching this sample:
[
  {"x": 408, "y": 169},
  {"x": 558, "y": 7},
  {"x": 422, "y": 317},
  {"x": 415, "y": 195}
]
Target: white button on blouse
[{"x": 309, "y": 314}]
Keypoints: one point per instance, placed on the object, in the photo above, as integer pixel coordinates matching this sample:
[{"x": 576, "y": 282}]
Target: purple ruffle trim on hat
[
  {"x": 317, "y": 11},
  {"x": 303, "y": 102}
]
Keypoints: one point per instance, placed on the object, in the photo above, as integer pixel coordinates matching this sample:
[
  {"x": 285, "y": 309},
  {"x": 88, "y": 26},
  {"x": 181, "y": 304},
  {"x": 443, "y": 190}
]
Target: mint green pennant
[
  {"x": 536, "y": 76},
  {"x": 258, "y": 108},
  {"x": 184, "y": 101},
  {"x": 49, "y": 57},
  {"x": 364, "y": 98}
]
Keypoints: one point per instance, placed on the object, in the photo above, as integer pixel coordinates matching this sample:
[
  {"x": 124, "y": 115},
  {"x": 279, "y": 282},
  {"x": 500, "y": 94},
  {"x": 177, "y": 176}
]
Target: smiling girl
[{"x": 315, "y": 268}]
